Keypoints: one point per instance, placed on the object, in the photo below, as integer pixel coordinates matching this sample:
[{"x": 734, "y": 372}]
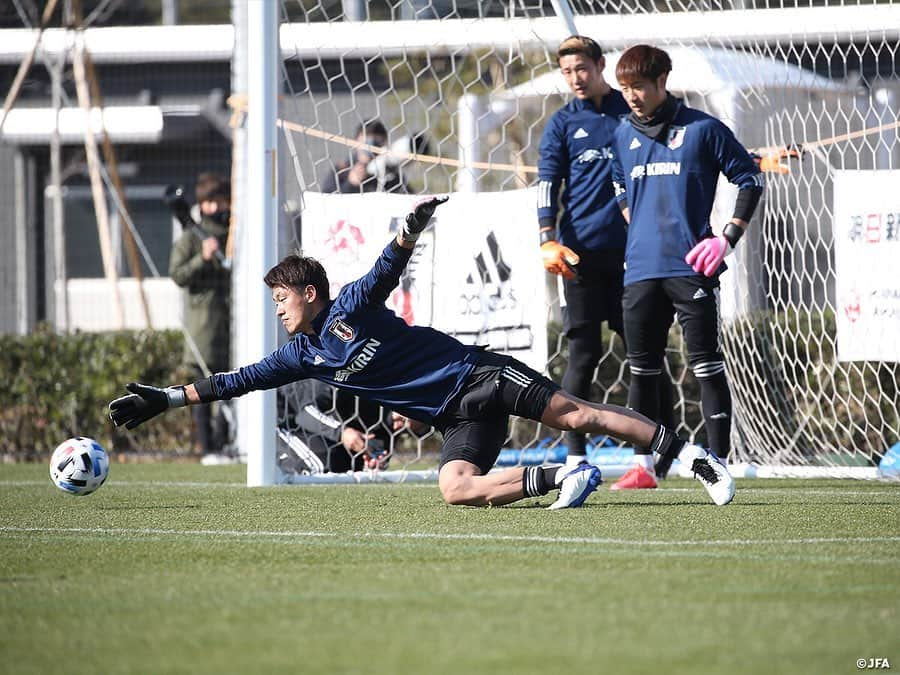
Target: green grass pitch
[{"x": 181, "y": 569}]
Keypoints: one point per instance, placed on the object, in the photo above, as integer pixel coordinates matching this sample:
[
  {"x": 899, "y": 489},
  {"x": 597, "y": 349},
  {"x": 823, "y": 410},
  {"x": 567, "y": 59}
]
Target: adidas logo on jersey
[
  {"x": 699, "y": 294},
  {"x": 581, "y": 133},
  {"x": 318, "y": 359},
  {"x": 635, "y": 143}
]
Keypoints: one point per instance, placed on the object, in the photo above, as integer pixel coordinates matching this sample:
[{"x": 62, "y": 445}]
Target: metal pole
[
  {"x": 564, "y": 12},
  {"x": 239, "y": 218},
  {"x": 256, "y": 252},
  {"x": 23, "y": 170},
  {"x": 60, "y": 279},
  {"x": 469, "y": 110},
  {"x": 170, "y": 12},
  {"x": 354, "y": 10}
]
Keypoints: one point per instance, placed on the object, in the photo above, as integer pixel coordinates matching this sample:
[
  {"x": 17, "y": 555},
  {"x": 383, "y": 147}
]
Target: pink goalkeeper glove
[{"x": 706, "y": 256}]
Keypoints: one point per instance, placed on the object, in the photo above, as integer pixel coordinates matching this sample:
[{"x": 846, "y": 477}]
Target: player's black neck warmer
[{"x": 656, "y": 126}]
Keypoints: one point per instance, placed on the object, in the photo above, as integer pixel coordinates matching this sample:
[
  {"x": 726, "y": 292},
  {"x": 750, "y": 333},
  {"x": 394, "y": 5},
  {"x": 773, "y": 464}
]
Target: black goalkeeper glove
[
  {"x": 417, "y": 219},
  {"x": 144, "y": 403}
]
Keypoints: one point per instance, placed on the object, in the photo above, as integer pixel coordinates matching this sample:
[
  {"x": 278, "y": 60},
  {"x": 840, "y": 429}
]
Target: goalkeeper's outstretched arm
[
  {"x": 146, "y": 402},
  {"x": 417, "y": 220},
  {"x": 376, "y": 286}
]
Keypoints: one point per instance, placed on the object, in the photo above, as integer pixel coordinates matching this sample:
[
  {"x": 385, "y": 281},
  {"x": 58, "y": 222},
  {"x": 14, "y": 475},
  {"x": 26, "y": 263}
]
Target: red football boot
[{"x": 637, "y": 478}]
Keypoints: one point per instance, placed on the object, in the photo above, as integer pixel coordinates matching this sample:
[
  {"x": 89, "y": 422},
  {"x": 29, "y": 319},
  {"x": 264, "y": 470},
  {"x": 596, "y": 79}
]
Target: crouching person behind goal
[{"x": 355, "y": 343}]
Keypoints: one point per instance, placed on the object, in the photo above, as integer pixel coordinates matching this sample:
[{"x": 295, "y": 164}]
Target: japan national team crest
[
  {"x": 675, "y": 137},
  {"x": 341, "y": 330}
]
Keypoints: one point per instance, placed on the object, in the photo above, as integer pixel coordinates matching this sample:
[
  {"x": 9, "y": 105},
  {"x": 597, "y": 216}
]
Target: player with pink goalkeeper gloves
[{"x": 668, "y": 158}]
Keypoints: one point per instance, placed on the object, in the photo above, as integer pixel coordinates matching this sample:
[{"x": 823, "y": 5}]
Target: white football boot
[
  {"x": 710, "y": 472},
  {"x": 576, "y": 484}
]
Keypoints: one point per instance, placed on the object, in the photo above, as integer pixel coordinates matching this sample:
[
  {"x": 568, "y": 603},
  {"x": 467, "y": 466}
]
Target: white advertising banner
[
  {"x": 347, "y": 233},
  {"x": 476, "y": 274},
  {"x": 867, "y": 264},
  {"x": 489, "y": 281}
]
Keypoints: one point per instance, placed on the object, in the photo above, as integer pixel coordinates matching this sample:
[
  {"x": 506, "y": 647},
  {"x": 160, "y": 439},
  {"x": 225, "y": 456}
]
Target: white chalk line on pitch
[
  {"x": 742, "y": 488},
  {"x": 135, "y": 483},
  {"x": 276, "y": 534}
]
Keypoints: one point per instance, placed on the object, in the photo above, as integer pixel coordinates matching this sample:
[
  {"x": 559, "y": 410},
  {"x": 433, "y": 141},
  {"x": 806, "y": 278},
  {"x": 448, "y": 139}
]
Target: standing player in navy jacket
[
  {"x": 354, "y": 342},
  {"x": 576, "y": 151},
  {"x": 668, "y": 160}
]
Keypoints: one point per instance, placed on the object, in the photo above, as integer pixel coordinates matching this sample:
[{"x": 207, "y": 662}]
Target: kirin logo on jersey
[
  {"x": 675, "y": 137},
  {"x": 343, "y": 332}
]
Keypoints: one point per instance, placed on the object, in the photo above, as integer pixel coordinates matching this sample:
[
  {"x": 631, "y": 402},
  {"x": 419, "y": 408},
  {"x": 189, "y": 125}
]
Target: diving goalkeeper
[{"x": 354, "y": 342}]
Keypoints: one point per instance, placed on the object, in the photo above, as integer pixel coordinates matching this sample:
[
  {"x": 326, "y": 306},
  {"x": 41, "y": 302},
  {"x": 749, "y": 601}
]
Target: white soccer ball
[{"x": 79, "y": 466}]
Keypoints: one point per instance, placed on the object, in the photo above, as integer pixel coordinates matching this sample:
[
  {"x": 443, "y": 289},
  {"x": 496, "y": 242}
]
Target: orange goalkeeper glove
[
  {"x": 559, "y": 259},
  {"x": 771, "y": 162}
]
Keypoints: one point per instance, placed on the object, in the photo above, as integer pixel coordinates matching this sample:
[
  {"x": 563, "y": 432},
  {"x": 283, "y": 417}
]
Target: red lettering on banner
[
  {"x": 342, "y": 236},
  {"x": 852, "y": 306},
  {"x": 873, "y": 228}
]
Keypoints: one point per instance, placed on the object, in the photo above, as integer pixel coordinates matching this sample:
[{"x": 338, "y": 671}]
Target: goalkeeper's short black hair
[
  {"x": 579, "y": 44},
  {"x": 642, "y": 62},
  {"x": 298, "y": 272}
]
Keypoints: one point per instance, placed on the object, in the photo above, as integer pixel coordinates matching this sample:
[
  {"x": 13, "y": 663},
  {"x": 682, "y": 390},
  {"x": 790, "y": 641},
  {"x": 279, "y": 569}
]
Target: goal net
[{"x": 810, "y": 306}]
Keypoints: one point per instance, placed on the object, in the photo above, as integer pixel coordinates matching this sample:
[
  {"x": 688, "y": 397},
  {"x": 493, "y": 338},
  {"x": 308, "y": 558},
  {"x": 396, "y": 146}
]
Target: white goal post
[
  {"x": 256, "y": 249},
  {"x": 811, "y": 312}
]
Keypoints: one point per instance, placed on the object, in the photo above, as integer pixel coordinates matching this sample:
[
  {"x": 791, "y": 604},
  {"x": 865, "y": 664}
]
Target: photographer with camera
[
  {"x": 325, "y": 429},
  {"x": 198, "y": 265},
  {"x": 366, "y": 173}
]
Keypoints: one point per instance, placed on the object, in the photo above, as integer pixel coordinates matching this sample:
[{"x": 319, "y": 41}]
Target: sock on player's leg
[
  {"x": 715, "y": 397},
  {"x": 667, "y": 446},
  {"x": 574, "y": 460},
  {"x": 645, "y": 462},
  {"x": 539, "y": 480},
  {"x": 585, "y": 351}
]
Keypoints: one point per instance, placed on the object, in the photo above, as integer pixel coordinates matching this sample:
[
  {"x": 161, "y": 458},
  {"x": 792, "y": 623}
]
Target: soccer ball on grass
[{"x": 79, "y": 466}]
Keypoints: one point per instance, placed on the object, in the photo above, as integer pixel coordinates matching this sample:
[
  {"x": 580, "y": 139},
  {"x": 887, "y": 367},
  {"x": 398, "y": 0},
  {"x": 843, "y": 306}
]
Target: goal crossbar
[{"x": 347, "y": 39}]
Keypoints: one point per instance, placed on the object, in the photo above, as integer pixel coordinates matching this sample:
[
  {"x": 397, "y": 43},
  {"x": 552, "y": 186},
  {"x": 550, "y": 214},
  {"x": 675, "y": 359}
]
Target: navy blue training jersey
[
  {"x": 361, "y": 346},
  {"x": 669, "y": 186},
  {"x": 575, "y": 148}
]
